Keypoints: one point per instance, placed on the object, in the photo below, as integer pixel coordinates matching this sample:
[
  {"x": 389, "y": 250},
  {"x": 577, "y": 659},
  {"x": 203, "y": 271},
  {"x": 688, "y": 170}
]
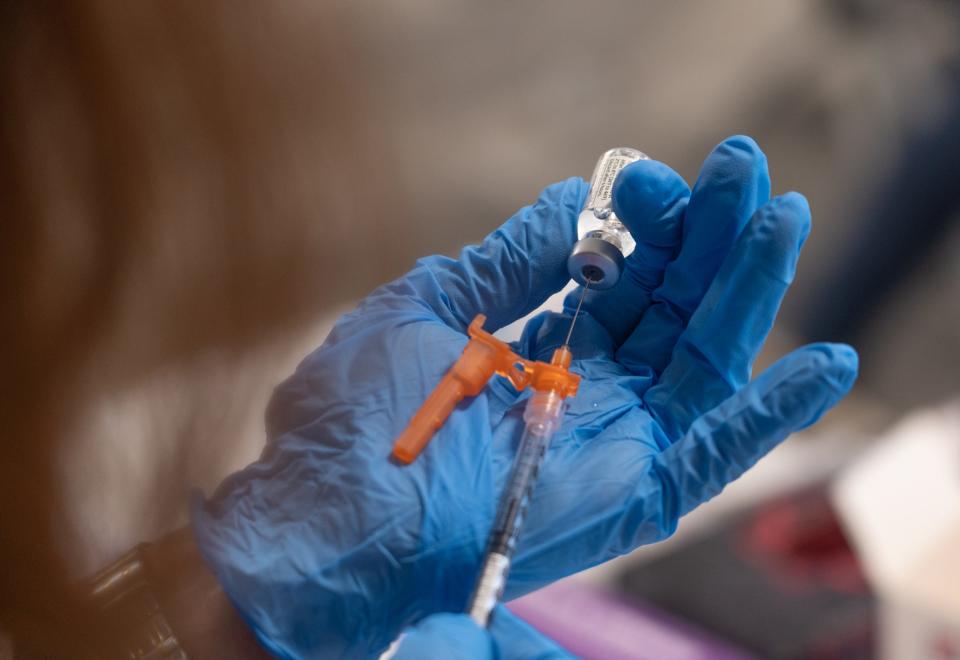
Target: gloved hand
[
  {"x": 457, "y": 637},
  {"x": 329, "y": 549}
]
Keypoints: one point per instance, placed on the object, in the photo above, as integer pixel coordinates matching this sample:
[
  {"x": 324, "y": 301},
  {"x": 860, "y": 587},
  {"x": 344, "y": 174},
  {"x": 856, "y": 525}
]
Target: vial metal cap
[{"x": 595, "y": 261}]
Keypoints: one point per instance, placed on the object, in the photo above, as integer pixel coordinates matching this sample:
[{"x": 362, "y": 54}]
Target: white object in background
[{"x": 900, "y": 504}]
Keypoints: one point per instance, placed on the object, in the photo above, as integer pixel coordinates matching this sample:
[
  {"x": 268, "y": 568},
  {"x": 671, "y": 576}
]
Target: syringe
[
  {"x": 551, "y": 382},
  {"x": 542, "y": 417}
]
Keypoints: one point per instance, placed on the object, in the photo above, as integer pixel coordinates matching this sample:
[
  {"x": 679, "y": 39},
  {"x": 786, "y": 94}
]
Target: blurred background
[
  {"x": 856, "y": 104},
  {"x": 467, "y": 111}
]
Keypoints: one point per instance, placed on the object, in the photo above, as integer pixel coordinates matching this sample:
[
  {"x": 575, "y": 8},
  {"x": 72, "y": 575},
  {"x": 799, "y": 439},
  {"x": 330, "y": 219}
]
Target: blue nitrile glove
[
  {"x": 457, "y": 637},
  {"x": 329, "y": 549}
]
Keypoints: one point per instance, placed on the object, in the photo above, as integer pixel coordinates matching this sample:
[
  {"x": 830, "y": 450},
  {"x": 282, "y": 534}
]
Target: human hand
[
  {"x": 458, "y": 637},
  {"x": 326, "y": 547}
]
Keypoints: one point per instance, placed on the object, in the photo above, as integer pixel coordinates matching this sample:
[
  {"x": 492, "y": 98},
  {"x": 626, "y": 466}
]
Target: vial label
[{"x": 600, "y": 198}]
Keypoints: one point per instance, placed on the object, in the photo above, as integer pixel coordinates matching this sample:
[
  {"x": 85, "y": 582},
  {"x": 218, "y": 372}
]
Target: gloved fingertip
[
  {"x": 795, "y": 200},
  {"x": 445, "y": 635},
  {"x": 742, "y": 147},
  {"x": 781, "y": 226},
  {"x": 772, "y": 241},
  {"x": 794, "y": 208},
  {"x": 840, "y": 364},
  {"x": 810, "y": 381},
  {"x": 738, "y": 159},
  {"x": 649, "y": 198}
]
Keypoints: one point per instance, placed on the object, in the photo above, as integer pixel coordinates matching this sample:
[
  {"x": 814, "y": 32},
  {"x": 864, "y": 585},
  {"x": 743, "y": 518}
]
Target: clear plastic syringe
[
  {"x": 542, "y": 417},
  {"x": 552, "y": 383}
]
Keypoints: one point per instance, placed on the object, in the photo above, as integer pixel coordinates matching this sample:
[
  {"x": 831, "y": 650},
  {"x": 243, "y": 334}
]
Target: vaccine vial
[{"x": 598, "y": 256}]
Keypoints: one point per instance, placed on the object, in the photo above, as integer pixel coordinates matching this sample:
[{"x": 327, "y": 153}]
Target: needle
[{"x": 576, "y": 314}]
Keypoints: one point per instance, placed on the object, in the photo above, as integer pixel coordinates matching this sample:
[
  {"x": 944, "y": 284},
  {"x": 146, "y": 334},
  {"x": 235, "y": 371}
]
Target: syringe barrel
[
  {"x": 605, "y": 242},
  {"x": 544, "y": 412},
  {"x": 489, "y": 589},
  {"x": 542, "y": 417}
]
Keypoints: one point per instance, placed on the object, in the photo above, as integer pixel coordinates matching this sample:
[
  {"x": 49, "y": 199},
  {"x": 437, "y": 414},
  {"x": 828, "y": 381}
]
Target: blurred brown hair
[{"x": 175, "y": 176}]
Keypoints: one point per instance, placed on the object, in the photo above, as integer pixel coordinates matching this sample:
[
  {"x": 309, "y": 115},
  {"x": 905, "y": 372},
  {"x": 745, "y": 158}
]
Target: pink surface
[{"x": 595, "y": 624}]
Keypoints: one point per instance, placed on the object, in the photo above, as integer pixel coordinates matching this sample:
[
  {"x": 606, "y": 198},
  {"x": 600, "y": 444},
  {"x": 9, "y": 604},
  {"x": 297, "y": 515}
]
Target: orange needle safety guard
[{"x": 484, "y": 356}]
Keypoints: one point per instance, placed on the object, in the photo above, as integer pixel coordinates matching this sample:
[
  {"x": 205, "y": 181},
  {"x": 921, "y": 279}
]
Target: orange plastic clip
[{"x": 483, "y": 356}]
